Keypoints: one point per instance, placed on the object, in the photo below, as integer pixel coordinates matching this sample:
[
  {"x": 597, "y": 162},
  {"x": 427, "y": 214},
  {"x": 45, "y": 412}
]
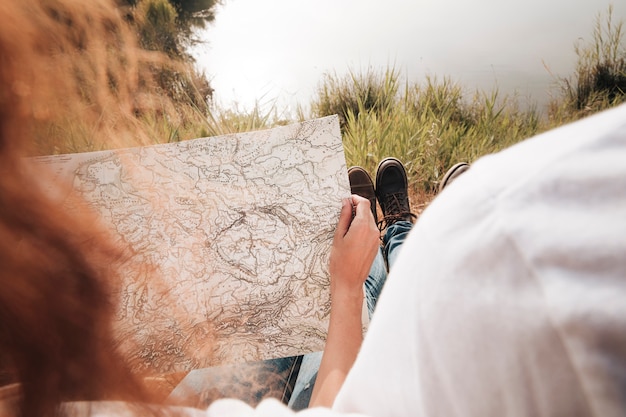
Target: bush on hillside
[
  {"x": 371, "y": 91},
  {"x": 159, "y": 28},
  {"x": 599, "y": 80}
]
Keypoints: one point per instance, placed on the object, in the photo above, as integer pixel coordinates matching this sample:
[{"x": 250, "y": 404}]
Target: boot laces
[{"x": 396, "y": 208}]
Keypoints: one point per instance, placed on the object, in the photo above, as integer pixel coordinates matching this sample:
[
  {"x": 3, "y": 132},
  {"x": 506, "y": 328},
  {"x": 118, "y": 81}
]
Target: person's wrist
[{"x": 347, "y": 295}]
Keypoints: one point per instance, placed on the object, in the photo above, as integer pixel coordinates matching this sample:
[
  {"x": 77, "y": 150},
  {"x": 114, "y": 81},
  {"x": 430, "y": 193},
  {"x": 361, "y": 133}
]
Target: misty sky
[{"x": 279, "y": 49}]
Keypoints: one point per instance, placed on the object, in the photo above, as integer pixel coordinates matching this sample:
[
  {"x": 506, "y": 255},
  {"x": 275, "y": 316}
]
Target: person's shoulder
[
  {"x": 520, "y": 259},
  {"x": 555, "y": 152},
  {"x": 553, "y": 195},
  {"x": 584, "y": 153}
]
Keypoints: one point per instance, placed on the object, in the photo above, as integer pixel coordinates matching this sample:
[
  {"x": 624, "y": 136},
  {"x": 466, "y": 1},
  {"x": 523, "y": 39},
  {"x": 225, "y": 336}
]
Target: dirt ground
[{"x": 419, "y": 200}]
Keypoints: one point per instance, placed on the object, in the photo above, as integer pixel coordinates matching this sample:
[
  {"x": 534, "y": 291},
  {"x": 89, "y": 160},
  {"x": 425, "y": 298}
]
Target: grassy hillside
[{"x": 428, "y": 124}]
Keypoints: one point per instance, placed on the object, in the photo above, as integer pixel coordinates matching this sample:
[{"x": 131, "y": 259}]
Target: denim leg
[
  {"x": 375, "y": 281},
  {"x": 393, "y": 239},
  {"x": 305, "y": 381}
]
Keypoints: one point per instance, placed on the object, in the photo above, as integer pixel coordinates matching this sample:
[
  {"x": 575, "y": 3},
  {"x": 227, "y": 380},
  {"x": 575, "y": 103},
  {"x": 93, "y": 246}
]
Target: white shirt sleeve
[
  {"x": 221, "y": 408},
  {"x": 267, "y": 408}
]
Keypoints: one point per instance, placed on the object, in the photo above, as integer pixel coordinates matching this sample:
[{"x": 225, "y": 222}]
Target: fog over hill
[{"x": 262, "y": 50}]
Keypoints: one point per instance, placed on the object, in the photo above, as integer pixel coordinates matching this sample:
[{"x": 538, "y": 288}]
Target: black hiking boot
[{"x": 392, "y": 192}]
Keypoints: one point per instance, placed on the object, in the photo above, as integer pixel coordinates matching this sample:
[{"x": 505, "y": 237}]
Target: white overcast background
[{"x": 264, "y": 50}]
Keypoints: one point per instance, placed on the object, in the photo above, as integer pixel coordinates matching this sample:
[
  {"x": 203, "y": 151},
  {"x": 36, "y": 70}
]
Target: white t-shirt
[{"x": 509, "y": 295}]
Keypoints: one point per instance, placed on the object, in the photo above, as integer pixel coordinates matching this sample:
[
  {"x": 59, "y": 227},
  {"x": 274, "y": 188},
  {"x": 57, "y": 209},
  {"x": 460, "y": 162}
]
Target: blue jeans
[{"x": 392, "y": 241}]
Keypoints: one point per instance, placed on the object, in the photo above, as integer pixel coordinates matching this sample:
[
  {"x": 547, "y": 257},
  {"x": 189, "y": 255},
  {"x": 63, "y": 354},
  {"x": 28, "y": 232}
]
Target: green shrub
[
  {"x": 599, "y": 80},
  {"x": 354, "y": 92}
]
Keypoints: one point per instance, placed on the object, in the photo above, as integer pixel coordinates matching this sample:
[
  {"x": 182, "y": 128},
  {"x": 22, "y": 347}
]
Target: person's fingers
[
  {"x": 363, "y": 224},
  {"x": 354, "y": 246},
  {"x": 362, "y": 206},
  {"x": 345, "y": 218}
]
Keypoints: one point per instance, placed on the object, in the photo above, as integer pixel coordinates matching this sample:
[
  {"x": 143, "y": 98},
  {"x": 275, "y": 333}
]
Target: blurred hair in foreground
[{"x": 61, "y": 61}]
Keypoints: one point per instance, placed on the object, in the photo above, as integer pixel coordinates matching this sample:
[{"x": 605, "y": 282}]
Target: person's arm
[{"x": 355, "y": 244}]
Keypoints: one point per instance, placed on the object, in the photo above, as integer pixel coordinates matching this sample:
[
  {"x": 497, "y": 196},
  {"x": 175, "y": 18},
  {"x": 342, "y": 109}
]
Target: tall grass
[
  {"x": 215, "y": 121},
  {"x": 162, "y": 122},
  {"x": 428, "y": 126},
  {"x": 222, "y": 121}
]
